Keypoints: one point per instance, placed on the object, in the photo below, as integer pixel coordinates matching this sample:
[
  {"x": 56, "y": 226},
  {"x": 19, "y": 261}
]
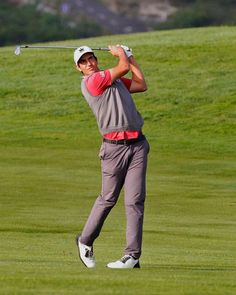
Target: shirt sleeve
[
  {"x": 98, "y": 82},
  {"x": 127, "y": 82}
]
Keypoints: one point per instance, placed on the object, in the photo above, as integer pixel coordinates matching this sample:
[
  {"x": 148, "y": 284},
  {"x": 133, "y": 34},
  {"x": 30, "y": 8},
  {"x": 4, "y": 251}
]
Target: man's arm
[
  {"x": 138, "y": 81},
  {"x": 123, "y": 66}
]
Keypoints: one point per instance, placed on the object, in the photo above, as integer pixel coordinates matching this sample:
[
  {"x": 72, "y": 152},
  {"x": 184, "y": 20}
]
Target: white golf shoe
[
  {"x": 85, "y": 254},
  {"x": 126, "y": 261}
]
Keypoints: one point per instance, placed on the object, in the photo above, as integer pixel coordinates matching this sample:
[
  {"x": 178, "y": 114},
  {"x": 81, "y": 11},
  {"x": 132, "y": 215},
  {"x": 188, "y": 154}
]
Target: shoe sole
[{"x": 137, "y": 265}]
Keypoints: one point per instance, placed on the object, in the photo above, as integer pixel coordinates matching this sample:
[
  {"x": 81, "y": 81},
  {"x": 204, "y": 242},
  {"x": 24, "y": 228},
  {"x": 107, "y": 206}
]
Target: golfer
[{"x": 123, "y": 152}]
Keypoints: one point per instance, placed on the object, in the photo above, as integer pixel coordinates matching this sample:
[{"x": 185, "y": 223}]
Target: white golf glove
[{"x": 128, "y": 51}]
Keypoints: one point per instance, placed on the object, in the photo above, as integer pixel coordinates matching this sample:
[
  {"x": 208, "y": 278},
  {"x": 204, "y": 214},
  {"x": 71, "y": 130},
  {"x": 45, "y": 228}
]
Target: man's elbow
[{"x": 144, "y": 87}]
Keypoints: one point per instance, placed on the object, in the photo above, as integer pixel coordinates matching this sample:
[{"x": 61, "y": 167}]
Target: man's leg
[
  {"x": 135, "y": 192},
  {"x": 114, "y": 163}
]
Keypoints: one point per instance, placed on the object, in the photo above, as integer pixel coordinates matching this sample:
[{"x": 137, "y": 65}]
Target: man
[{"x": 123, "y": 152}]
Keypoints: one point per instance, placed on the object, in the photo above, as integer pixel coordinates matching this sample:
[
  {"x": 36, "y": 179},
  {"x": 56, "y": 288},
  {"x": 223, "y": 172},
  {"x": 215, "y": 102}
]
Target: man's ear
[{"x": 78, "y": 68}]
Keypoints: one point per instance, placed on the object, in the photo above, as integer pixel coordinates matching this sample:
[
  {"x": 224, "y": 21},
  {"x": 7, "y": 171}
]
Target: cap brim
[{"x": 78, "y": 59}]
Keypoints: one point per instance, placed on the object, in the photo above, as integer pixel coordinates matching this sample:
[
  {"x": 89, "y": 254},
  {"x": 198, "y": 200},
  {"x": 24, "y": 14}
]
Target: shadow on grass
[
  {"x": 39, "y": 230},
  {"x": 180, "y": 267}
]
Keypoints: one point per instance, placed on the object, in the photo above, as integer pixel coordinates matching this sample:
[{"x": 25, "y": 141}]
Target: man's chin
[{"x": 90, "y": 72}]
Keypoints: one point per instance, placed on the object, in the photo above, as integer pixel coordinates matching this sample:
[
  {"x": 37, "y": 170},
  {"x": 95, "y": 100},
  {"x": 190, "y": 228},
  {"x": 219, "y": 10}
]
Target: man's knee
[{"x": 106, "y": 201}]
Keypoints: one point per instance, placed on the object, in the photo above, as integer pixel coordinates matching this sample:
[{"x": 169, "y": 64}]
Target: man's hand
[{"x": 117, "y": 51}]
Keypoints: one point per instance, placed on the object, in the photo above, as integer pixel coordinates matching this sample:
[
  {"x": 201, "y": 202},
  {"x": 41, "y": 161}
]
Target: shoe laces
[
  {"x": 125, "y": 258},
  {"x": 89, "y": 252}
]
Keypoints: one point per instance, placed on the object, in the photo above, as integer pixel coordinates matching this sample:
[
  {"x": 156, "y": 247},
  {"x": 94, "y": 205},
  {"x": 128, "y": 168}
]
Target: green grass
[{"x": 50, "y": 171}]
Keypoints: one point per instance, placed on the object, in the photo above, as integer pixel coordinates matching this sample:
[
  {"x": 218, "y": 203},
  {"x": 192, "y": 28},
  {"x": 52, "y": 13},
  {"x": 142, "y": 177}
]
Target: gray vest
[{"x": 114, "y": 109}]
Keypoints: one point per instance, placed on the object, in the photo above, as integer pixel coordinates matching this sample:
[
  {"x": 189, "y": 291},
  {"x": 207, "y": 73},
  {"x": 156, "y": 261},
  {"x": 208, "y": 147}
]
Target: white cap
[{"x": 81, "y": 51}]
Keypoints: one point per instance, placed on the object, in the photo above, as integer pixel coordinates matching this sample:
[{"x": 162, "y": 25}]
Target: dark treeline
[{"x": 26, "y": 23}]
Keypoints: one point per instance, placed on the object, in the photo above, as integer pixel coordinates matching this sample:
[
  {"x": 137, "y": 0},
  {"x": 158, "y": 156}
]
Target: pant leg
[
  {"x": 135, "y": 192},
  {"x": 114, "y": 163}
]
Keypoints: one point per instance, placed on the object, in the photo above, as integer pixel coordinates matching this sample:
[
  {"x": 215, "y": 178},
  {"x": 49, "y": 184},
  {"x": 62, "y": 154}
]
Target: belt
[{"x": 125, "y": 141}]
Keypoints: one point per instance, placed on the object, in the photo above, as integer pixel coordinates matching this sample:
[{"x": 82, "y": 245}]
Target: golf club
[{"x": 19, "y": 47}]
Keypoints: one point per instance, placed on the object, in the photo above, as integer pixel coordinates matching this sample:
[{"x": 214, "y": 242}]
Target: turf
[{"x": 50, "y": 171}]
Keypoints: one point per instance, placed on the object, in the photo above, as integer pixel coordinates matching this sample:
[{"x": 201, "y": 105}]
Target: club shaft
[{"x": 61, "y": 47}]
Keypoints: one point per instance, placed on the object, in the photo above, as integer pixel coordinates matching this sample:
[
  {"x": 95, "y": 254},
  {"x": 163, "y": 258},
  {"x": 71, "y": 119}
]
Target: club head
[{"x": 18, "y": 50}]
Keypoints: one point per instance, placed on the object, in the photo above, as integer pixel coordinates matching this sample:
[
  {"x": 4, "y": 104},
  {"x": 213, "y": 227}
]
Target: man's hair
[{"x": 82, "y": 55}]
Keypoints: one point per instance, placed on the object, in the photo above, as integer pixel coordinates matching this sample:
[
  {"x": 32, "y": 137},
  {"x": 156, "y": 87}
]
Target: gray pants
[{"x": 122, "y": 165}]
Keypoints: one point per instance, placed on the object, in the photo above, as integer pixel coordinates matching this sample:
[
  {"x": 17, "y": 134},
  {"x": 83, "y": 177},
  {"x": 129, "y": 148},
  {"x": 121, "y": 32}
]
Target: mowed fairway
[{"x": 50, "y": 171}]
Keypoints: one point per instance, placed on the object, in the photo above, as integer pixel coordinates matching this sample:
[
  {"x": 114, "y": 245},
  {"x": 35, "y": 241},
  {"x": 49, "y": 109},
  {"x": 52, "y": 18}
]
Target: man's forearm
[
  {"x": 137, "y": 74},
  {"x": 123, "y": 65}
]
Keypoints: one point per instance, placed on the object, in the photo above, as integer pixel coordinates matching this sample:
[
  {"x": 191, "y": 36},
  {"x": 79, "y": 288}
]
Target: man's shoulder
[
  {"x": 98, "y": 74},
  {"x": 98, "y": 81}
]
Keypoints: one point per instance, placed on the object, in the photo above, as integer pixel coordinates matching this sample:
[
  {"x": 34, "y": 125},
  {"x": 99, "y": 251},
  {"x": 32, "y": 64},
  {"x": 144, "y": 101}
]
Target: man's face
[{"x": 88, "y": 64}]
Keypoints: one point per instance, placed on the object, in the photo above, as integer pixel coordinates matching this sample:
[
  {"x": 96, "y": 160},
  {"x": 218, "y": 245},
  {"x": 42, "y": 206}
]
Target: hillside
[
  {"x": 50, "y": 171},
  {"x": 189, "y": 76},
  {"x": 147, "y": 10}
]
